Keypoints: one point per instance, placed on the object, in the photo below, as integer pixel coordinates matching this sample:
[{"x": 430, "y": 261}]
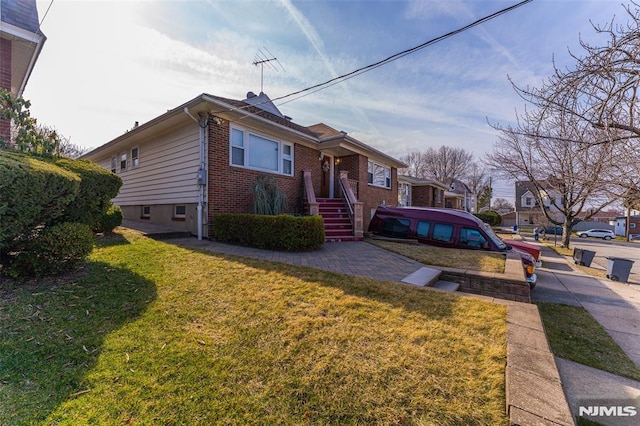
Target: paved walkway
[
  {"x": 370, "y": 261},
  {"x": 616, "y": 306}
]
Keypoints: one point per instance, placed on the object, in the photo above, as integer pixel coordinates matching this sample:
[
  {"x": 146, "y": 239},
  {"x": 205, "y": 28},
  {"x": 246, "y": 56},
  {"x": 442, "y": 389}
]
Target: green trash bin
[{"x": 618, "y": 269}]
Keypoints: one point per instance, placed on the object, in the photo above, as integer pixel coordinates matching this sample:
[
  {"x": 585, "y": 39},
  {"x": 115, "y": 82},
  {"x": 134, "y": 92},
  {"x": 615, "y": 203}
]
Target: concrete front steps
[
  {"x": 429, "y": 277},
  {"x": 337, "y": 224}
]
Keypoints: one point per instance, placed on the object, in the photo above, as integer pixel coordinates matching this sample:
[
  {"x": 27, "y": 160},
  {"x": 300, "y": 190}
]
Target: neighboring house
[
  {"x": 603, "y": 216},
  {"x": 454, "y": 200},
  {"x": 508, "y": 219},
  {"x": 204, "y": 156},
  {"x": 419, "y": 192},
  {"x": 460, "y": 197},
  {"x": 529, "y": 203},
  {"x": 620, "y": 227},
  {"x": 20, "y": 44}
]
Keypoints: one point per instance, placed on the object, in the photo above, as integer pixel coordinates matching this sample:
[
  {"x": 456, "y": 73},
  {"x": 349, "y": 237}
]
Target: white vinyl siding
[
  {"x": 168, "y": 173},
  {"x": 258, "y": 152}
]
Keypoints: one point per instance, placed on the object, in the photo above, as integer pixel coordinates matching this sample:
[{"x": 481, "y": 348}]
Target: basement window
[
  {"x": 179, "y": 212},
  {"x": 145, "y": 212}
]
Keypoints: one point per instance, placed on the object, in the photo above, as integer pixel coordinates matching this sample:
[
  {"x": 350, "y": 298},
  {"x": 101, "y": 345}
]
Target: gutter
[{"x": 201, "y": 175}]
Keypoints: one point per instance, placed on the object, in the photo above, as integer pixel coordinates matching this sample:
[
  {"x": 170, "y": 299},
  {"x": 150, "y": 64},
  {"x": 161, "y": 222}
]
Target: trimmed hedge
[
  {"x": 33, "y": 193},
  {"x": 281, "y": 232},
  {"x": 110, "y": 219},
  {"x": 98, "y": 186},
  {"x": 56, "y": 249}
]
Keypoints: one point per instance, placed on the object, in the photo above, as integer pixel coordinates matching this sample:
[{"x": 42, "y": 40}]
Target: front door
[{"x": 325, "y": 180}]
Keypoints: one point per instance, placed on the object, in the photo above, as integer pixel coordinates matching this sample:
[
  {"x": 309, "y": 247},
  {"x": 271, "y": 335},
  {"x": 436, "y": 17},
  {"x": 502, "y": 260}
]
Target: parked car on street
[
  {"x": 445, "y": 228},
  {"x": 532, "y": 249},
  {"x": 605, "y": 234},
  {"x": 553, "y": 230}
]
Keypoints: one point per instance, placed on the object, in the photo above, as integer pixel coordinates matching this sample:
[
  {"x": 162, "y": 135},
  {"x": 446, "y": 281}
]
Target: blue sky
[{"x": 108, "y": 64}]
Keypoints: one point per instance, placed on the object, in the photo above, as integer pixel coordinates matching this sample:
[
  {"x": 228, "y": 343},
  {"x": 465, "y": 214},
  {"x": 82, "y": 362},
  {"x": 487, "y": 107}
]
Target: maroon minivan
[{"x": 444, "y": 228}]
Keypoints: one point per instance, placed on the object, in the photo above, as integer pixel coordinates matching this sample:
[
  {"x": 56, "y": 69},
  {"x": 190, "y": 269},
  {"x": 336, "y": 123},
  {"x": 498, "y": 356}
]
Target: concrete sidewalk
[{"x": 616, "y": 306}]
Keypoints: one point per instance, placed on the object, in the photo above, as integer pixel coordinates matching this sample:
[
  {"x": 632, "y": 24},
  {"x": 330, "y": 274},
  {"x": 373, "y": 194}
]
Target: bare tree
[
  {"x": 502, "y": 205},
  {"x": 566, "y": 169},
  {"x": 416, "y": 165},
  {"x": 602, "y": 92},
  {"x": 580, "y": 133},
  {"x": 61, "y": 145},
  {"x": 478, "y": 182},
  {"x": 446, "y": 164}
]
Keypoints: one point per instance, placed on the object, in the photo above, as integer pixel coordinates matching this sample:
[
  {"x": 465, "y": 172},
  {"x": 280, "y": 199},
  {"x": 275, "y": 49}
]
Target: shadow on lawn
[
  {"x": 435, "y": 305},
  {"x": 52, "y": 331}
]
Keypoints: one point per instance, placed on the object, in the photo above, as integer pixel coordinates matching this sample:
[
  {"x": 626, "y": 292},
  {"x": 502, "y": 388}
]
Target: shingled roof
[
  {"x": 264, "y": 113},
  {"x": 20, "y": 13}
]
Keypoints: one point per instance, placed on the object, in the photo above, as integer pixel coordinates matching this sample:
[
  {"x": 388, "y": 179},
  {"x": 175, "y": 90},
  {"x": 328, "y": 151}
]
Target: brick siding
[{"x": 230, "y": 186}]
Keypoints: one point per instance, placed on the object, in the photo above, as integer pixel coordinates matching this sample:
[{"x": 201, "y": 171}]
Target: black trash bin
[
  {"x": 618, "y": 269},
  {"x": 583, "y": 257}
]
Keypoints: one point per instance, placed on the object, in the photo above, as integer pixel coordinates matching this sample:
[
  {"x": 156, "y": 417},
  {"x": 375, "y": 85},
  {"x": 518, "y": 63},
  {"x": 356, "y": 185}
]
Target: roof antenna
[{"x": 261, "y": 59}]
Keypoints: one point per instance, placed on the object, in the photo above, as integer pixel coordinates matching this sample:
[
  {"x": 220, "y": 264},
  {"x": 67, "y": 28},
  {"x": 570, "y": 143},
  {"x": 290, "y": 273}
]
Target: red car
[{"x": 533, "y": 250}]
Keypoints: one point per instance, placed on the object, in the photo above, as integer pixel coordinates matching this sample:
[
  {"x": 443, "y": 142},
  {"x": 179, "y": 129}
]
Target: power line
[
  {"x": 362, "y": 70},
  {"x": 405, "y": 52}
]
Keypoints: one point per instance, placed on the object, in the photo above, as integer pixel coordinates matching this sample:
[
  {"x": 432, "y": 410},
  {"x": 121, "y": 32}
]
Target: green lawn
[
  {"x": 475, "y": 260},
  {"x": 149, "y": 333},
  {"x": 573, "y": 334}
]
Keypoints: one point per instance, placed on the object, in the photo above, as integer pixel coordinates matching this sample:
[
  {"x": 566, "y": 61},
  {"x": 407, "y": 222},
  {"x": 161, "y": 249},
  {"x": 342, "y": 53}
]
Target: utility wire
[
  {"x": 362, "y": 70},
  {"x": 402, "y": 54}
]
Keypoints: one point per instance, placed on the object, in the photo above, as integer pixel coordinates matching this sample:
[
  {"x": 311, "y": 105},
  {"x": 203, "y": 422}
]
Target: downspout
[{"x": 201, "y": 176}]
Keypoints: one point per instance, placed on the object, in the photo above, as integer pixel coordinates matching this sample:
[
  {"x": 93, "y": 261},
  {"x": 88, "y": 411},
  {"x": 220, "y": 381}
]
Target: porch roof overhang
[
  {"x": 25, "y": 49},
  {"x": 414, "y": 181},
  {"x": 449, "y": 194},
  {"x": 343, "y": 145}
]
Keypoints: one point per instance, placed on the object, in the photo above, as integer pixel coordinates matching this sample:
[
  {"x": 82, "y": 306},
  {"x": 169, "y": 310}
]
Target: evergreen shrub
[
  {"x": 53, "y": 250},
  {"x": 32, "y": 193},
  {"x": 281, "y": 232},
  {"x": 491, "y": 217},
  {"x": 98, "y": 186},
  {"x": 110, "y": 219}
]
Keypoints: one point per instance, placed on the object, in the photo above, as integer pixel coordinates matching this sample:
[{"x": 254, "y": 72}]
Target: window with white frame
[
  {"x": 145, "y": 212},
  {"x": 135, "y": 160},
  {"x": 379, "y": 175},
  {"x": 260, "y": 153},
  {"x": 179, "y": 211},
  {"x": 114, "y": 164},
  {"x": 404, "y": 194},
  {"x": 123, "y": 161}
]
